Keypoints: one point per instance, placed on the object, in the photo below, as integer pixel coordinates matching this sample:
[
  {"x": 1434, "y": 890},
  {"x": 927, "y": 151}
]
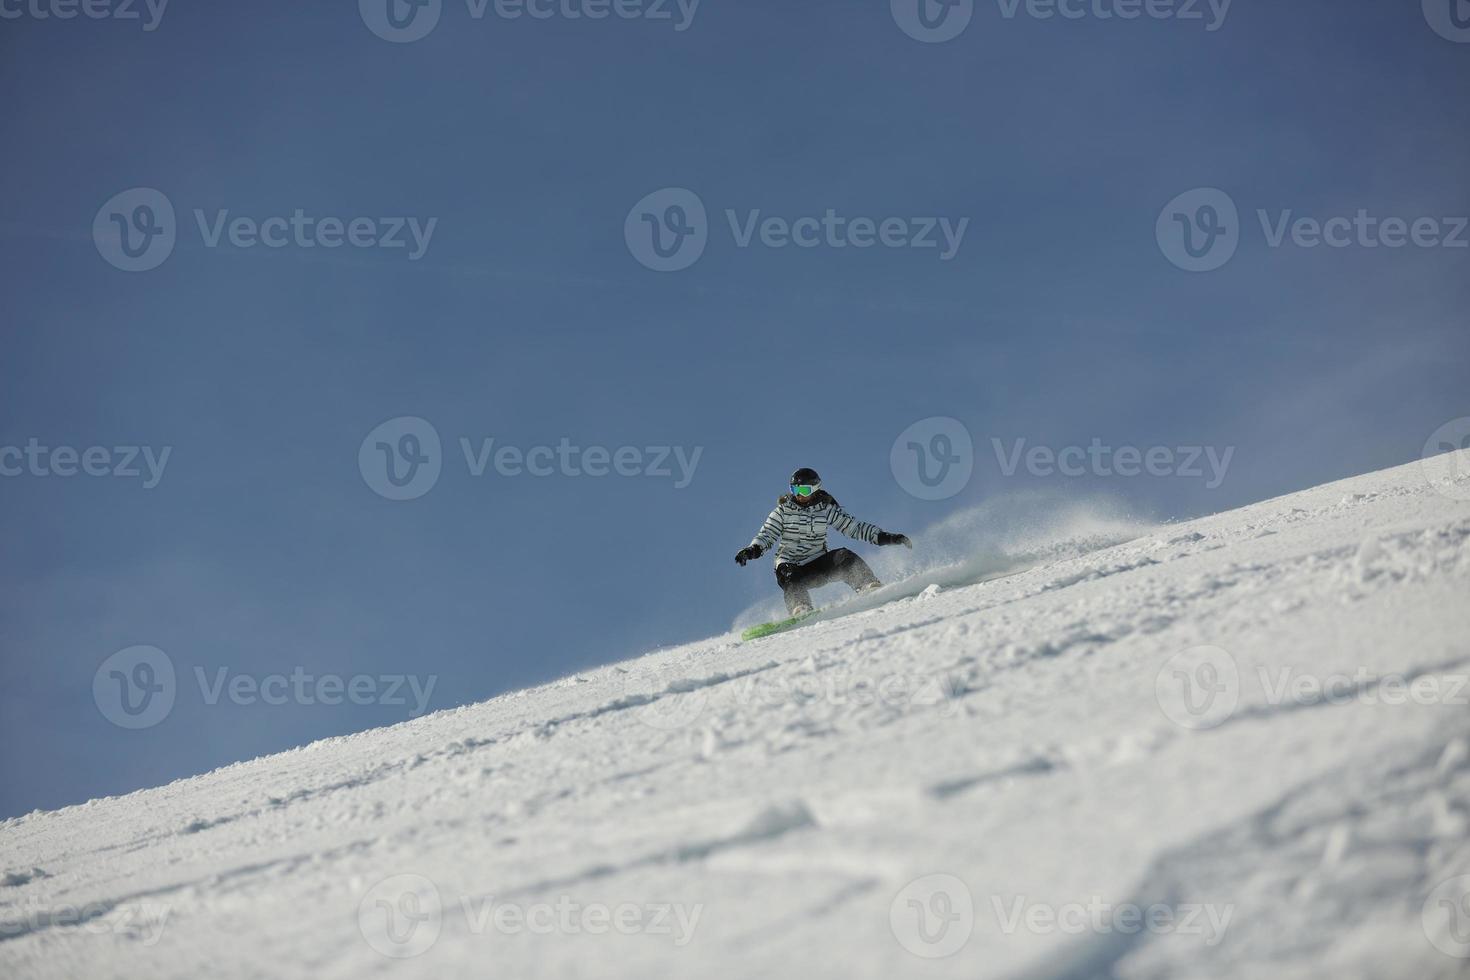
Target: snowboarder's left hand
[{"x": 888, "y": 537}]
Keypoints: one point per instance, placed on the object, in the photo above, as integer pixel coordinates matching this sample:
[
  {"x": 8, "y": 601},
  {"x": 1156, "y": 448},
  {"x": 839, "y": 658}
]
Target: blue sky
[{"x": 1060, "y": 319}]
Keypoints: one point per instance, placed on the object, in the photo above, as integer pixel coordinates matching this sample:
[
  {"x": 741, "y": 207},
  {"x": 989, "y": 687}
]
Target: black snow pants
[{"x": 839, "y": 565}]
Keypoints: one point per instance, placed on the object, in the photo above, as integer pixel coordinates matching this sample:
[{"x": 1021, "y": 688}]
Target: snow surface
[{"x": 913, "y": 790}]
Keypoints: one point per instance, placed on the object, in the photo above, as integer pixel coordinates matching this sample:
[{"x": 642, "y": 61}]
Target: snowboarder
[{"x": 800, "y": 523}]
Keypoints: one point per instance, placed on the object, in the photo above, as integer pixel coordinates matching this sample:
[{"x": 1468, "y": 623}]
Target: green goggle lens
[{"x": 803, "y": 489}]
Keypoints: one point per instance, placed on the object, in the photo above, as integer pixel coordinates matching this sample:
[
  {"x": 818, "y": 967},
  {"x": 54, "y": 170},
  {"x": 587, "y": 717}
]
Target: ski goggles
[{"x": 805, "y": 489}]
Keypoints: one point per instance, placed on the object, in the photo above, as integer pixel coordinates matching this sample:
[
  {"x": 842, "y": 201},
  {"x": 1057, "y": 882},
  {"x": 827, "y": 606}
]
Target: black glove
[
  {"x": 747, "y": 554},
  {"x": 888, "y": 537}
]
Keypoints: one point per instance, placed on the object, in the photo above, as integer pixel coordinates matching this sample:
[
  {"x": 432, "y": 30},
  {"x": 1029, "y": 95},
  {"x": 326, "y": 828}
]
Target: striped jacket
[{"x": 801, "y": 529}]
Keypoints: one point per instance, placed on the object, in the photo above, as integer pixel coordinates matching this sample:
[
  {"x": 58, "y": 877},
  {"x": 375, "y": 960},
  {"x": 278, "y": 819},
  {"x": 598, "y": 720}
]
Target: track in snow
[{"x": 996, "y": 772}]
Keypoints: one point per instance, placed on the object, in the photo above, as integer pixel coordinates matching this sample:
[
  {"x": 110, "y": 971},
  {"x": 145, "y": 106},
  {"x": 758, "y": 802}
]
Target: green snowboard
[{"x": 766, "y": 629}]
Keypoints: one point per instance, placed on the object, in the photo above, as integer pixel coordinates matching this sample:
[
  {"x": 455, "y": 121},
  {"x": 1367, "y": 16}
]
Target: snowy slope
[{"x": 922, "y": 789}]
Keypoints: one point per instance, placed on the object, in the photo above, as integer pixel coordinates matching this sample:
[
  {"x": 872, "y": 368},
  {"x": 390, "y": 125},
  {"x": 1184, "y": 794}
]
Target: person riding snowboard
[{"x": 800, "y": 523}]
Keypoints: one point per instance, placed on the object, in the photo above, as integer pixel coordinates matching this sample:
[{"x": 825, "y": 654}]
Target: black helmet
[{"x": 805, "y": 475}]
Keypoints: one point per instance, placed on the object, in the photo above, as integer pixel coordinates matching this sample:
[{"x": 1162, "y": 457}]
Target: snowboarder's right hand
[{"x": 748, "y": 553}]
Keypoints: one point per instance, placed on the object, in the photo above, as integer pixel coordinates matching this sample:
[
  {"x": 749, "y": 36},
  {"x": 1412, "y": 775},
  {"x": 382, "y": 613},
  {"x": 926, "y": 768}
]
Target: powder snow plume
[{"x": 1002, "y": 535}]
